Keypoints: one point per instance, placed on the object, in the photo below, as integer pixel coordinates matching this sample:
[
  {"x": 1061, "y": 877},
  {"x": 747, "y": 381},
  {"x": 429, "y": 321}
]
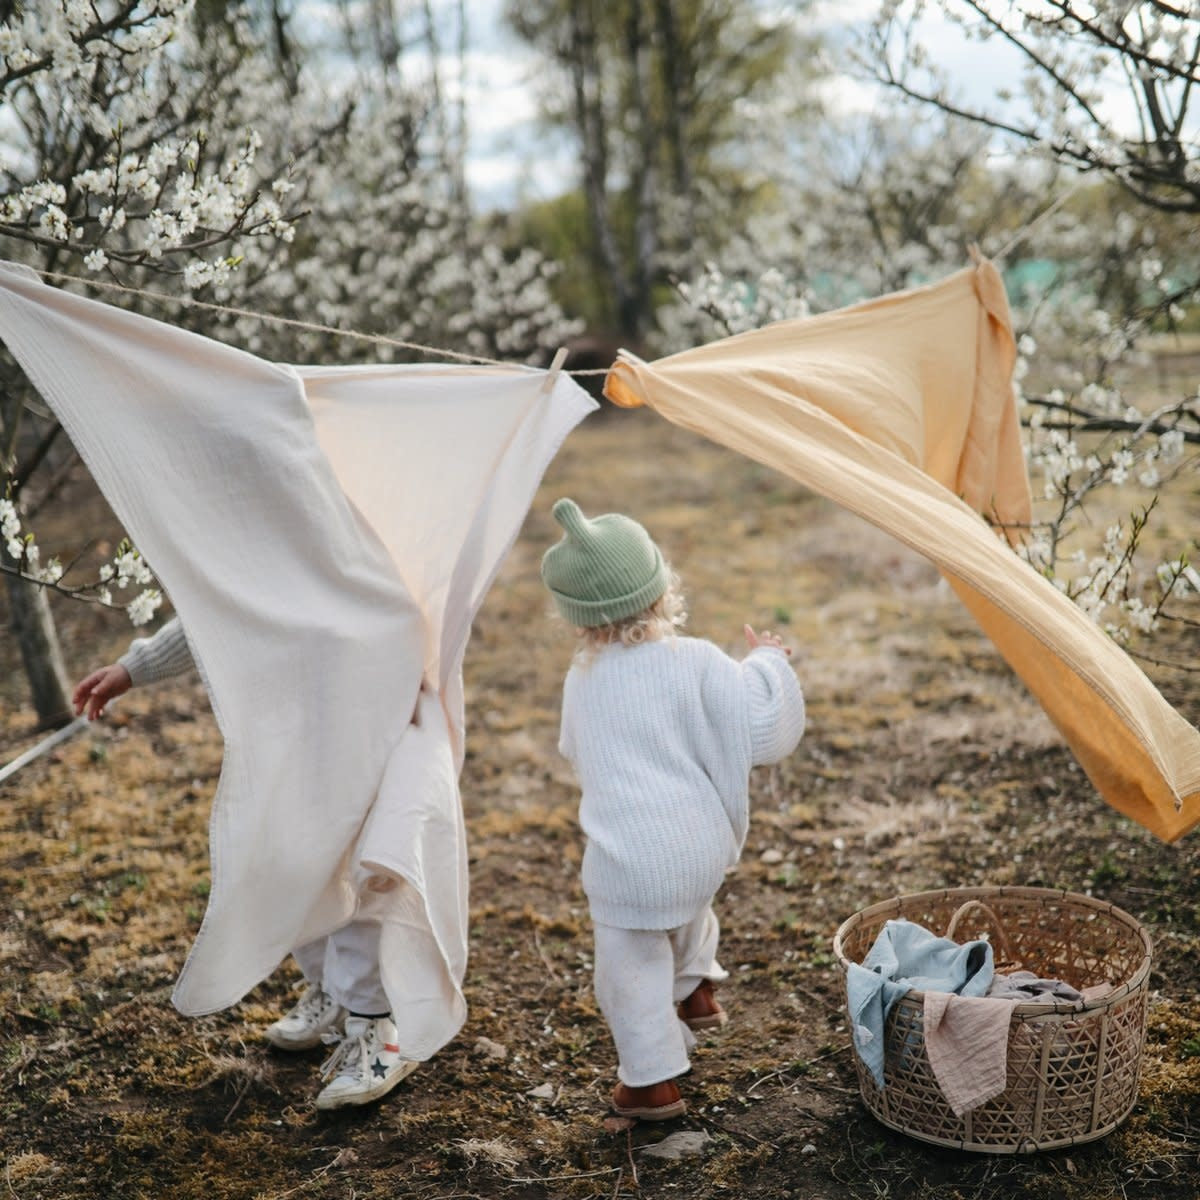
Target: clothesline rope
[
  {"x": 1025, "y": 230},
  {"x": 380, "y": 339},
  {"x": 311, "y": 326}
]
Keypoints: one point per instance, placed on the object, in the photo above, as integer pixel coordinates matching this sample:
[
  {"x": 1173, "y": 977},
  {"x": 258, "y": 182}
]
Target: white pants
[
  {"x": 346, "y": 965},
  {"x": 640, "y": 976}
]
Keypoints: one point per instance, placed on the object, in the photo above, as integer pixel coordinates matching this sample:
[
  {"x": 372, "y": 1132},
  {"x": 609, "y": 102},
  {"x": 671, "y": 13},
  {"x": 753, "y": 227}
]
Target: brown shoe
[
  {"x": 701, "y": 1010},
  {"x": 654, "y": 1102}
]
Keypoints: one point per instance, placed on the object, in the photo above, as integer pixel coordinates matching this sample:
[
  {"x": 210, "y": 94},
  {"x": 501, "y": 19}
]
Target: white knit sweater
[
  {"x": 161, "y": 656},
  {"x": 662, "y": 737}
]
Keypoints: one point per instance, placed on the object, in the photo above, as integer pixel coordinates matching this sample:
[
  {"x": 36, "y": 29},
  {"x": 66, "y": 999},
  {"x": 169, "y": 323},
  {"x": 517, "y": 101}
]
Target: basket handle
[{"x": 997, "y": 925}]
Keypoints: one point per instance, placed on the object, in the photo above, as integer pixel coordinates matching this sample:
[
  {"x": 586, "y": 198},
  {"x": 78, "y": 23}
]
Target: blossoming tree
[
  {"x": 1106, "y": 92},
  {"x": 155, "y": 144},
  {"x": 112, "y": 162},
  {"x": 885, "y": 209}
]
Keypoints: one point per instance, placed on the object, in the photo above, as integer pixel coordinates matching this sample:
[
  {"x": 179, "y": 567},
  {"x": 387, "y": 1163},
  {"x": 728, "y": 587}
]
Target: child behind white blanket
[{"x": 662, "y": 731}]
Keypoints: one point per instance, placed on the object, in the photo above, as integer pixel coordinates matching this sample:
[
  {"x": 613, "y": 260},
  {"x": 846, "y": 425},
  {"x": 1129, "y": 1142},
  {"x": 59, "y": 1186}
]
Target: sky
[{"x": 510, "y": 156}]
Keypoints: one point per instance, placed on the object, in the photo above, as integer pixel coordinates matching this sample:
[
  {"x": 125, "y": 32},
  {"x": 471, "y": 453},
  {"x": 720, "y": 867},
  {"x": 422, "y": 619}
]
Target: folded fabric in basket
[
  {"x": 966, "y": 1041},
  {"x": 904, "y": 957},
  {"x": 1025, "y": 987}
]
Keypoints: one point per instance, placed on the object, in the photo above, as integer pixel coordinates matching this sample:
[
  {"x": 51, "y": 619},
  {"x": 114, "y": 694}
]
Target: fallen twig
[
  {"x": 26, "y": 1015},
  {"x": 558, "y": 1178},
  {"x": 537, "y": 945},
  {"x": 807, "y": 1063},
  {"x": 342, "y": 1158},
  {"x": 637, "y": 1187},
  {"x": 820, "y": 1001},
  {"x": 763, "y": 1079},
  {"x": 20, "y": 1063},
  {"x": 239, "y": 1098}
]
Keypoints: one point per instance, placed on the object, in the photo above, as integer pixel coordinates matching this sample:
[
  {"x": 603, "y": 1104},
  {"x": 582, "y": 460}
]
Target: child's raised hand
[
  {"x": 95, "y": 690},
  {"x": 754, "y": 640}
]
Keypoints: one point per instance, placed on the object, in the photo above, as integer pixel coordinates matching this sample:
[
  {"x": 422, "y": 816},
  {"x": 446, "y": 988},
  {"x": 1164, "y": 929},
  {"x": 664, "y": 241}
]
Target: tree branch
[
  {"x": 1163, "y": 662},
  {"x": 35, "y": 459},
  {"x": 93, "y": 33},
  {"x": 1090, "y": 422},
  {"x": 1154, "y": 171},
  {"x": 75, "y": 593},
  {"x": 1125, "y": 46},
  {"x": 1064, "y": 85}
]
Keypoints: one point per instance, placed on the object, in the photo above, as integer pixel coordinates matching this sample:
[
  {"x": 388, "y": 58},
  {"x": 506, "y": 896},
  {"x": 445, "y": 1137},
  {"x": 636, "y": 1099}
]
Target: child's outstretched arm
[
  {"x": 146, "y": 661},
  {"x": 775, "y": 698},
  {"x": 93, "y": 692}
]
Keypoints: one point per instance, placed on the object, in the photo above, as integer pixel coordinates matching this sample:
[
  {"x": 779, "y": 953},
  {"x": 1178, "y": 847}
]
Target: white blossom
[
  {"x": 1170, "y": 446},
  {"x": 52, "y": 572},
  {"x": 143, "y": 607},
  {"x": 10, "y": 522}
]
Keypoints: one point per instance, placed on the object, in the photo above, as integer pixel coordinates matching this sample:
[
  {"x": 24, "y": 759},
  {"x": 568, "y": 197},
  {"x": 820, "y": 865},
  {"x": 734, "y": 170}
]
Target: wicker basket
[{"x": 1073, "y": 1068}]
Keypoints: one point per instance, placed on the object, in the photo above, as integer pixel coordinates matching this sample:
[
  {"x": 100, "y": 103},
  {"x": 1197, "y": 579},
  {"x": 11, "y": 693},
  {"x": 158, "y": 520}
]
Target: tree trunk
[
  {"x": 644, "y": 179},
  {"x": 679, "y": 73},
  {"x": 32, "y": 625},
  {"x": 29, "y": 614},
  {"x": 593, "y": 136}
]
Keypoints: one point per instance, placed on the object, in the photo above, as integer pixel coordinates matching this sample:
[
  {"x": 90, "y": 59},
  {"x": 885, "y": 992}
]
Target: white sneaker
[
  {"x": 315, "y": 1014},
  {"x": 365, "y": 1065}
]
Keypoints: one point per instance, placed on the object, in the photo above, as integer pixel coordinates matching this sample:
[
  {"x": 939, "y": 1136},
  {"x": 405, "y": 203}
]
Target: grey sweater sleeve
[{"x": 159, "y": 657}]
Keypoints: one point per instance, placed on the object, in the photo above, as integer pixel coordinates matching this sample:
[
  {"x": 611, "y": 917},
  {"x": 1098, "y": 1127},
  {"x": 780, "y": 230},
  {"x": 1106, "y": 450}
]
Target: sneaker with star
[{"x": 365, "y": 1064}]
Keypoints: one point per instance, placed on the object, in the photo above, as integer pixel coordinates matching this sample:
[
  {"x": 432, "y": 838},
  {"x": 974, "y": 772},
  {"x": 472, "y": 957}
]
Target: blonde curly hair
[{"x": 662, "y": 619}]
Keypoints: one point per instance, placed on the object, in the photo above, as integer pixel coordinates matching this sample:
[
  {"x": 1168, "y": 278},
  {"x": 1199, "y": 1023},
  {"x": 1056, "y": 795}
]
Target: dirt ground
[{"x": 925, "y": 765}]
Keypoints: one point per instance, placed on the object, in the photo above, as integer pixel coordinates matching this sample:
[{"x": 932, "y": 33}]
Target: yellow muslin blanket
[{"x": 901, "y": 410}]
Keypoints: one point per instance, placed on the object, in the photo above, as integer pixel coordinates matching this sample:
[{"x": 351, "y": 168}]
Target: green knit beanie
[{"x": 604, "y": 569}]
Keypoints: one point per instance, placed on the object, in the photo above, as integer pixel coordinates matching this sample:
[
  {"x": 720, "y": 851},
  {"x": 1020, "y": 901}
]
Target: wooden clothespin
[{"x": 556, "y": 367}]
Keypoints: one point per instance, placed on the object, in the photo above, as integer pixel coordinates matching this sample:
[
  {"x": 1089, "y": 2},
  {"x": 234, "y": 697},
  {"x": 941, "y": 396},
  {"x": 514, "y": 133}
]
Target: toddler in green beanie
[{"x": 662, "y": 731}]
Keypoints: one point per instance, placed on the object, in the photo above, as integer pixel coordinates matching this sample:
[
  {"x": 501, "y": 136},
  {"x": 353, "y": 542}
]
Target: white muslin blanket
[{"x": 326, "y": 536}]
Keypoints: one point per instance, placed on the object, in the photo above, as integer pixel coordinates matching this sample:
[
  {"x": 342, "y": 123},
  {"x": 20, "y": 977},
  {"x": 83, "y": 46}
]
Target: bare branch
[
  {"x": 1174, "y": 664},
  {"x": 35, "y": 459},
  {"x": 84, "y": 593}
]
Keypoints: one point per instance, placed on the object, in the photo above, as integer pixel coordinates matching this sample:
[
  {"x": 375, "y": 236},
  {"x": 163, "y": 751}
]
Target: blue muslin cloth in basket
[{"x": 904, "y": 958}]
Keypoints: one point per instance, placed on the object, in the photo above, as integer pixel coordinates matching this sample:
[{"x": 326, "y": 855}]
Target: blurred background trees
[{"x": 670, "y": 108}]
